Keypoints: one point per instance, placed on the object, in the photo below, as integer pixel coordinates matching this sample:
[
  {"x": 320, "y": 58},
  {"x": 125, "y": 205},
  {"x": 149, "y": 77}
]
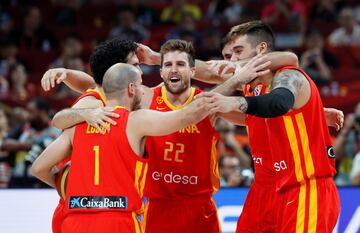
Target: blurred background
[{"x": 38, "y": 35}]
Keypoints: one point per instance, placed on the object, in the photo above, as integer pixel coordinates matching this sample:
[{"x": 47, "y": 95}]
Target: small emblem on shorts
[
  {"x": 159, "y": 100},
  {"x": 330, "y": 152},
  {"x": 98, "y": 202}
]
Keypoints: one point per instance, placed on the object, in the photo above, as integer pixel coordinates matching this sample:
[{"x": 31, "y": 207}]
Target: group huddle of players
[{"x": 161, "y": 143}]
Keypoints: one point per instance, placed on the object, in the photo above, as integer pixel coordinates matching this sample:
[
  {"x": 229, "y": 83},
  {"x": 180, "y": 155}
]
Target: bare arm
[
  {"x": 145, "y": 122},
  {"x": 155, "y": 123},
  {"x": 87, "y": 109},
  {"x": 256, "y": 67},
  {"x": 52, "y": 155},
  {"x": 77, "y": 80}
]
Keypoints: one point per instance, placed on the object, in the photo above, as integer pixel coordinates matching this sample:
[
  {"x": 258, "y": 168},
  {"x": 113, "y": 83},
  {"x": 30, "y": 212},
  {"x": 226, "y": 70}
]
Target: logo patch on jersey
[
  {"x": 98, "y": 202},
  {"x": 258, "y": 90},
  {"x": 330, "y": 152},
  {"x": 159, "y": 100}
]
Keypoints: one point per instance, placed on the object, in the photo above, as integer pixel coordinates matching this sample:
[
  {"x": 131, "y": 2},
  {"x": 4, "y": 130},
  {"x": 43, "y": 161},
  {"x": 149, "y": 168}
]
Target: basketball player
[
  {"x": 297, "y": 137},
  {"x": 107, "y": 175},
  {"x": 259, "y": 214}
]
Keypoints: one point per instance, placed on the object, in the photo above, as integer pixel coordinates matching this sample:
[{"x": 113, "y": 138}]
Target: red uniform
[
  {"x": 259, "y": 211},
  {"x": 305, "y": 164},
  {"x": 59, "y": 213},
  {"x": 182, "y": 176},
  {"x": 106, "y": 180}
]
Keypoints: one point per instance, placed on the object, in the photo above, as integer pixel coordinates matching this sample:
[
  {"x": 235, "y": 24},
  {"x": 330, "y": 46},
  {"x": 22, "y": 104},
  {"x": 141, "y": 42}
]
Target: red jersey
[
  {"x": 259, "y": 142},
  {"x": 89, "y": 92},
  {"x": 105, "y": 174},
  {"x": 184, "y": 163},
  {"x": 92, "y": 92},
  {"x": 300, "y": 142}
]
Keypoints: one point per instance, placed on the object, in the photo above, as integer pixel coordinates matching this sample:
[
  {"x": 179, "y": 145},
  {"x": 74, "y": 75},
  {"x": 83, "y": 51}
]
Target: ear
[
  {"x": 131, "y": 89},
  {"x": 262, "y": 48},
  {"x": 193, "y": 71},
  {"x": 161, "y": 74}
]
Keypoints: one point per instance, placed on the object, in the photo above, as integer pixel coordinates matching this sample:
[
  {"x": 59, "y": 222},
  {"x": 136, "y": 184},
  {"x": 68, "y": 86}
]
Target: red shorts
[
  {"x": 312, "y": 207},
  {"x": 260, "y": 209},
  {"x": 58, "y": 217},
  {"x": 197, "y": 214},
  {"x": 104, "y": 222}
]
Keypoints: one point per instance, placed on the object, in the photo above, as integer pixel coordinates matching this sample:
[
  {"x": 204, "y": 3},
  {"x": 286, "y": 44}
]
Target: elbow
[
  {"x": 36, "y": 169},
  {"x": 55, "y": 122},
  {"x": 293, "y": 58}
]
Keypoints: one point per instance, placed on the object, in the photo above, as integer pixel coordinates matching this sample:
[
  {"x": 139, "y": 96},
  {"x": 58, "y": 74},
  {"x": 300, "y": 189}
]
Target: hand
[
  {"x": 53, "y": 76},
  {"x": 147, "y": 56},
  {"x": 219, "y": 103},
  {"x": 254, "y": 68},
  {"x": 99, "y": 117},
  {"x": 334, "y": 118},
  {"x": 221, "y": 67}
]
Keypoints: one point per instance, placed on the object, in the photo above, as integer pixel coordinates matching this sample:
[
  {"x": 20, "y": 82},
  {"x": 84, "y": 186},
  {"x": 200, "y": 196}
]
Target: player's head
[
  {"x": 249, "y": 39},
  {"x": 122, "y": 83},
  {"x": 226, "y": 49},
  {"x": 177, "y": 65},
  {"x": 111, "y": 52}
]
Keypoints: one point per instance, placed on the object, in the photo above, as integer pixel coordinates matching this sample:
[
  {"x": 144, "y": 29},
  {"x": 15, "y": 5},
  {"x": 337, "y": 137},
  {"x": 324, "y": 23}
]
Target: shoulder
[{"x": 290, "y": 79}]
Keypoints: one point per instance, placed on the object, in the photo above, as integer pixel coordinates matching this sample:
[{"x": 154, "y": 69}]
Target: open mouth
[{"x": 174, "y": 80}]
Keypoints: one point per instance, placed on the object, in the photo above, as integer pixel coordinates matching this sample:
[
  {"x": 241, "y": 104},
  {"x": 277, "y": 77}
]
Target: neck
[
  {"x": 112, "y": 103},
  {"x": 178, "y": 99}
]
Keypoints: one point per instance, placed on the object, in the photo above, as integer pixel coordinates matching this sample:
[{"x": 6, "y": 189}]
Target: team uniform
[
  {"x": 259, "y": 210},
  {"x": 301, "y": 148},
  {"x": 105, "y": 184},
  {"x": 182, "y": 176},
  {"x": 59, "y": 213}
]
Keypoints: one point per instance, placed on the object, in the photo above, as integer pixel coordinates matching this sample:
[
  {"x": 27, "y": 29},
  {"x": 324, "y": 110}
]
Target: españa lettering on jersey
[{"x": 184, "y": 163}]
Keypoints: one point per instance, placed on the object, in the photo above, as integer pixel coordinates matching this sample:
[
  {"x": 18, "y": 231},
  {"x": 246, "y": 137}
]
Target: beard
[
  {"x": 184, "y": 85},
  {"x": 136, "y": 103}
]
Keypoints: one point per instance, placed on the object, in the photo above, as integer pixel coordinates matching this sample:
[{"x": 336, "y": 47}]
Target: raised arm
[
  {"x": 57, "y": 151},
  {"x": 145, "y": 122},
  {"x": 87, "y": 109},
  {"x": 287, "y": 86},
  {"x": 218, "y": 71},
  {"x": 77, "y": 80}
]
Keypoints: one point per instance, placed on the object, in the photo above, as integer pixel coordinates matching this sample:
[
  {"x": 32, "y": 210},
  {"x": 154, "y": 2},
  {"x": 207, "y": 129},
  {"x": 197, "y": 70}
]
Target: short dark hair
[
  {"x": 223, "y": 42},
  {"x": 178, "y": 45},
  {"x": 260, "y": 32},
  {"x": 109, "y": 53}
]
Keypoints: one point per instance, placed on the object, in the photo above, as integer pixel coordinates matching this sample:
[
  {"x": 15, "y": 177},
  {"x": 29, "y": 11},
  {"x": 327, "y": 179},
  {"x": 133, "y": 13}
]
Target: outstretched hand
[
  {"x": 334, "y": 118},
  {"x": 52, "y": 77},
  {"x": 147, "y": 56},
  {"x": 256, "y": 67},
  {"x": 100, "y": 118},
  {"x": 221, "y": 67},
  {"x": 216, "y": 102}
]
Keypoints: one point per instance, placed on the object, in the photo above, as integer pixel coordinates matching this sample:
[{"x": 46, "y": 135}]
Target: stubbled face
[
  {"x": 242, "y": 48},
  {"x": 138, "y": 93},
  {"x": 176, "y": 72},
  {"x": 132, "y": 59}
]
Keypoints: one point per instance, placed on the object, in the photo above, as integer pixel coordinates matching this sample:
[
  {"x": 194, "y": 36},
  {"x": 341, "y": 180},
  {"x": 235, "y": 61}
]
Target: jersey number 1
[{"x": 97, "y": 165}]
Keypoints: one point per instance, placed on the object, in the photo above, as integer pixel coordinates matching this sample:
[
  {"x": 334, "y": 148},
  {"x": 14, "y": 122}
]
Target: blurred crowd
[{"x": 38, "y": 35}]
